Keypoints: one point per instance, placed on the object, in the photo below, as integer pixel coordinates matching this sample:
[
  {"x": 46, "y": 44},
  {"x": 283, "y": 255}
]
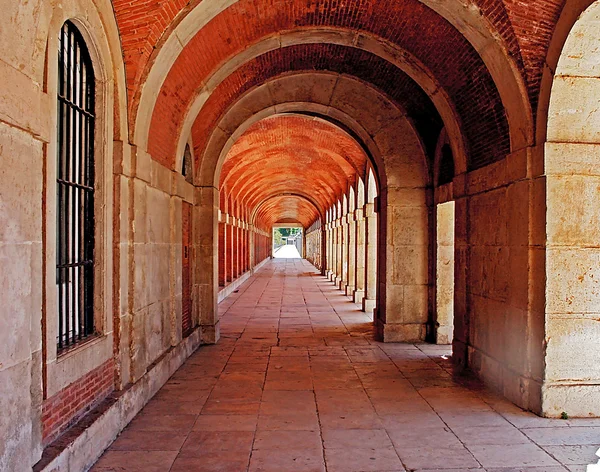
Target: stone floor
[{"x": 297, "y": 383}]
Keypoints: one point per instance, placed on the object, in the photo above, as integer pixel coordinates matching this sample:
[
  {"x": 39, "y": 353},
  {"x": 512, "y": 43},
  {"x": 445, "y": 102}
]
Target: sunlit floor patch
[{"x": 288, "y": 251}]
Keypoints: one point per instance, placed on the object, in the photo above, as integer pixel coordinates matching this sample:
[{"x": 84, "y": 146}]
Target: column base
[
  {"x": 349, "y": 290},
  {"x": 358, "y": 296},
  {"x": 400, "y": 332},
  {"x": 210, "y": 334},
  {"x": 368, "y": 305},
  {"x": 341, "y": 284}
]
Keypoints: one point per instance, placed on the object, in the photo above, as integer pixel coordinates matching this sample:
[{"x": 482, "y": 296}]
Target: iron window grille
[{"x": 75, "y": 190}]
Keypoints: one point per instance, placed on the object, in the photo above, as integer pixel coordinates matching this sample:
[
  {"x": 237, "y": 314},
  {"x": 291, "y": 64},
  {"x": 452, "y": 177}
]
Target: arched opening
[
  {"x": 369, "y": 301},
  {"x": 572, "y": 374},
  {"x": 442, "y": 324}
]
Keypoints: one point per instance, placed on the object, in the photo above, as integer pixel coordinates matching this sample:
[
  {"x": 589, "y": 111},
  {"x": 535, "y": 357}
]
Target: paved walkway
[
  {"x": 298, "y": 384},
  {"x": 287, "y": 251}
]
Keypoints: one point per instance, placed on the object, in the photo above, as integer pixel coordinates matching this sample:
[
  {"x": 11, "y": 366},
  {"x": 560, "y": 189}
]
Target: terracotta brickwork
[
  {"x": 477, "y": 100},
  {"x": 525, "y": 27},
  {"x": 66, "y": 407}
]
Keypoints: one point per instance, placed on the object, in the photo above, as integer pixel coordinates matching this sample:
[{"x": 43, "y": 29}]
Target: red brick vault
[
  {"x": 525, "y": 28},
  {"x": 290, "y": 167}
]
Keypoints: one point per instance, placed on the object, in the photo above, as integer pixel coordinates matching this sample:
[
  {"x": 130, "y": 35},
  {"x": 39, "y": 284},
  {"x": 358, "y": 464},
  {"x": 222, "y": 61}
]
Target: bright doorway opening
[
  {"x": 444, "y": 293},
  {"x": 288, "y": 242}
]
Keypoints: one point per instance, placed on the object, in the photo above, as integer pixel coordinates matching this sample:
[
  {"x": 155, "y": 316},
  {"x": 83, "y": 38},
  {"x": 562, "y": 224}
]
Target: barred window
[{"x": 75, "y": 189}]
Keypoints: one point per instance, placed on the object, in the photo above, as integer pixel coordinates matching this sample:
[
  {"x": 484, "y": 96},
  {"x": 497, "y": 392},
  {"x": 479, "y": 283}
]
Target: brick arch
[
  {"x": 291, "y": 154},
  {"x": 373, "y": 120},
  {"x": 337, "y": 59},
  {"x": 154, "y": 32},
  {"x": 447, "y": 54},
  {"x": 406, "y": 63},
  {"x": 327, "y": 57},
  {"x": 276, "y": 208}
]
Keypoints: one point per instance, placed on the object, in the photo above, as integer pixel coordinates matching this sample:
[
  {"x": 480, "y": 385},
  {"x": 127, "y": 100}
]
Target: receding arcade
[{"x": 440, "y": 158}]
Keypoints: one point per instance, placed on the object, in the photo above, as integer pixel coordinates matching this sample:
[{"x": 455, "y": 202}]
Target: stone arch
[
  {"x": 401, "y": 177},
  {"x": 572, "y": 292},
  {"x": 407, "y": 199},
  {"x": 370, "y": 43}
]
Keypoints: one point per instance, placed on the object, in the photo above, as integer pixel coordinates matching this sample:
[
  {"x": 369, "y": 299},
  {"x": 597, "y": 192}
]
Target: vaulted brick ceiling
[
  {"x": 289, "y": 167},
  {"x": 525, "y": 26},
  {"x": 443, "y": 50},
  {"x": 425, "y": 38}
]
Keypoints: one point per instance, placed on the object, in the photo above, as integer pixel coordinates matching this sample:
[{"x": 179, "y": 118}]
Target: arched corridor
[{"x": 372, "y": 222}]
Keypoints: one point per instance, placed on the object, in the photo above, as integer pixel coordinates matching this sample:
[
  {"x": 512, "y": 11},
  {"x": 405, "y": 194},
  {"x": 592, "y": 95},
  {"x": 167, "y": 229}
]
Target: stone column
[
  {"x": 444, "y": 274},
  {"x": 240, "y": 250},
  {"x": 245, "y": 252},
  {"x": 236, "y": 249},
  {"x": 359, "y": 292},
  {"x": 206, "y": 262},
  {"x": 323, "y": 250},
  {"x": 222, "y": 253},
  {"x": 370, "y": 297},
  {"x": 229, "y": 247},
  {"x": 351, "y": 281},
  {"x": 344, "y": 255},
  {"x": 339, "y": 252},
  {"x": 333, "y": 265},
  {"x": 331, "y": 234},
  {"x": 251, "y": 247}
]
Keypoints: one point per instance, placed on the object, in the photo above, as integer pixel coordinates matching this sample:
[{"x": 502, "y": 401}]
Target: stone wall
[{"x": 498, "y": 321}]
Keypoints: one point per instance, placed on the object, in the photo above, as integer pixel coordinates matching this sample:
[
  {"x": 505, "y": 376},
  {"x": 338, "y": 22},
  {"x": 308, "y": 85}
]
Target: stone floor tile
[
  {"x": 210, "y": 462},
  {"x": 437, "y": 457},
  {"x": 179, "y": 423},
  {"x": 288, "y": 422},
  {"x": 173, "y": 407},
  {"x": 424, "y": 436},
  {"x": 450, "y": 470},
  {"x": 574, "y": 455},
  {"x": 135, "y": 461},
  {"x": 131, "y": 440},
  {"x": 362, "y": 460},
  {"x": 517, "y": 455},
  {"x": 288, "y": 440},
  {"x": 356, "y": 438},
  {"x": 352, "y": 419},
  {"x": 490, "y": 435},
  {"x": 237, "y": 443},
  {"x": 288, "y": 460},
  {"x": 573, "y": 436},
  {"x": 530, "y": 469},
  {"x": 226, "y": 423}
]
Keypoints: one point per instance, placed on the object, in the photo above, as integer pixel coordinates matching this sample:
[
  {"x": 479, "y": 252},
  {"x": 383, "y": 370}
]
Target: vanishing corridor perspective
[
  {"x": 296, "y": 235},
  {"x": 297, "y": 383}
]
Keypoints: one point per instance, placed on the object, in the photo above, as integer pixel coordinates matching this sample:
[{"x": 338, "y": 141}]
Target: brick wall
[{"x": 68, "y": 406}]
